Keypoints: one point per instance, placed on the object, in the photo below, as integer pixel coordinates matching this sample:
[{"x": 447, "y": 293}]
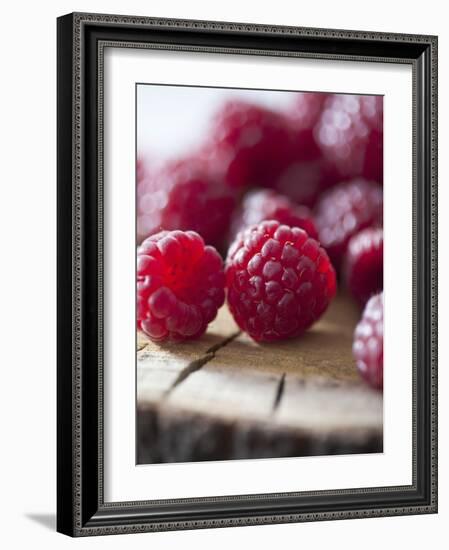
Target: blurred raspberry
[
  {"x": 350, "y": 134},
  {"x": 256, "y": 147},
  {"x": 143, "y": 176},
  {"x": 261, "y": 205},
  {"x": 343, "y": 211},
  {"x": 307, "y": 108},
  {"x": 302, "y": 181},
  {"x": 368, "y": 345},
  {"x": 279, "y": 281},
  {"x": 364, "y": 264},
  {"x": 140, "y": 169},
  {"x": 309, "y": 172},
  {"x": 186, "y": 194},
  {"x": 180, "y": 285}
]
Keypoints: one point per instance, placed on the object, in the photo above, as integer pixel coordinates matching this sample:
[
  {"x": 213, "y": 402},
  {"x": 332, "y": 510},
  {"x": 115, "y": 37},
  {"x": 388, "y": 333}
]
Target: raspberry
[
  {"x": 350, "y": 134},
  {"x": 364, "y": 264},
  {"x": 141, "y": 169},
  {"x": 180, "y": 285},
  {"x": 187, "y": 195},
  {"x": 266, "y": 204},
  {"x": 302, "y": 181},
  {"x": 368, "y": 345},
  {"x": 279, "y": 281},
  {"x": 343, "y": 211},
  {"x": 307, "y": 108},
  {"x": 253, "y": 145}
]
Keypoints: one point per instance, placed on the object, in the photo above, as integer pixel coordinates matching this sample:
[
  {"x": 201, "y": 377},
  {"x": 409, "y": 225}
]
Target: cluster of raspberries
[{"x": 293, "y": 200}]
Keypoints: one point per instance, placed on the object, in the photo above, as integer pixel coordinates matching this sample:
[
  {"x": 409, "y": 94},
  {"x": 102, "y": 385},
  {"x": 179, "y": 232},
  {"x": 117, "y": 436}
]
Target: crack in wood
[
  {"x": 223, "y": 343},
  {"x": 279, "y": 392},
  {"x": 199, "y": 363},
  {"x": 141, "y": 346}
]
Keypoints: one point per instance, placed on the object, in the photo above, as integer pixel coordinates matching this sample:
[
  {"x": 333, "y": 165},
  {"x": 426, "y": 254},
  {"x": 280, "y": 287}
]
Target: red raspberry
[
  {"x": 140, "y": 169},
  {"x": 180, "y": 285},
  {"x": 310, "y": 172},
  {"x": 364, "y": 264},
  {"x": 350, "y": 134},
  {"x": 372, "y": 108},
  {"x": 343, "y": 211},
  {"x": 302, "y": 180},
  {"x": 307, "y": 108},
  {"x": 368, "y": 346},
  {"x": 266, "y": 204},
  {"x": 186, "y": 195},
  {"x": 253, "y": 145},
  {"x": 279, "y": 281}
]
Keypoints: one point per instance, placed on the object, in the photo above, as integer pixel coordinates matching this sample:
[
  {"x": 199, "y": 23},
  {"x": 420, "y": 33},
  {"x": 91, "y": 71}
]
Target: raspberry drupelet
[
  {"x": 180, "y": 285},
  {"x": 343, "y": 211},
  {"x": 368, "y": 345},
  {"x": 363, "y": 267},
  {"x": 260, "y": 205},
  {"x": 279, "y": 281}
]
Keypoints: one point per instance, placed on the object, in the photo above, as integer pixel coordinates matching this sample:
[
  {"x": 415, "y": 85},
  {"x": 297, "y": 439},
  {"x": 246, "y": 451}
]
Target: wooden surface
[{"x": 225, "y": 396}]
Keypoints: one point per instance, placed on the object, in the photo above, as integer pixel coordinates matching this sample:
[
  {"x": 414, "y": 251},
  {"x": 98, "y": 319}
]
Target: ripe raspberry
[
  {"x": 368, "y": 346},
  {"x": 279, "y": 281},
  {"x": 180, "y": 285},
  {"x": 350, "y": 134},
  {"x": 253, "y": 145},
  {"x": 364, "y": 264},
  {"x": 186, "y": 195},
  {"x": 343, "y": 211},
  {"x": 261, "y": 205},
  {"x": 310, "y": 172}
]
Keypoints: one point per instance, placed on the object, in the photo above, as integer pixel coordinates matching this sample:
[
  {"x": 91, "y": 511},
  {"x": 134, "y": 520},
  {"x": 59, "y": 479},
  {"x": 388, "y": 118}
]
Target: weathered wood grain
[
  {"x": 159, "y": 367},
  {"x": 226, "y": 396},
  {"x": 324, "y": 405}
]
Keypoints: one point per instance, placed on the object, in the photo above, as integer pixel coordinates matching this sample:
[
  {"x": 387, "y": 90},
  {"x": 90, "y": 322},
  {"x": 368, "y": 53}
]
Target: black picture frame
[{"x": 81, "y": 509}]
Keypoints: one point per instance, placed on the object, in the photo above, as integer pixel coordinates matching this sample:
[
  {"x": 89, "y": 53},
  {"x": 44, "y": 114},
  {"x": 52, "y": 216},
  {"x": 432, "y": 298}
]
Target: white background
[{"x": 27, "y": 289}]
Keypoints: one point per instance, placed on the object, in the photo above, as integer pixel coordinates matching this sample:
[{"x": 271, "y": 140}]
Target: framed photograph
[{"x": 238, "y": 344}]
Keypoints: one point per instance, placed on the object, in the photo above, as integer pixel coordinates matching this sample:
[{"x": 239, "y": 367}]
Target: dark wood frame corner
[{"x": 81, "y": 509}]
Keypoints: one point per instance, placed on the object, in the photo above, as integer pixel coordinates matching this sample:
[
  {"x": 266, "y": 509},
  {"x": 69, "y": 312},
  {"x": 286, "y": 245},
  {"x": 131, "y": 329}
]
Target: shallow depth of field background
[{"x": 173, "y": 120}]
